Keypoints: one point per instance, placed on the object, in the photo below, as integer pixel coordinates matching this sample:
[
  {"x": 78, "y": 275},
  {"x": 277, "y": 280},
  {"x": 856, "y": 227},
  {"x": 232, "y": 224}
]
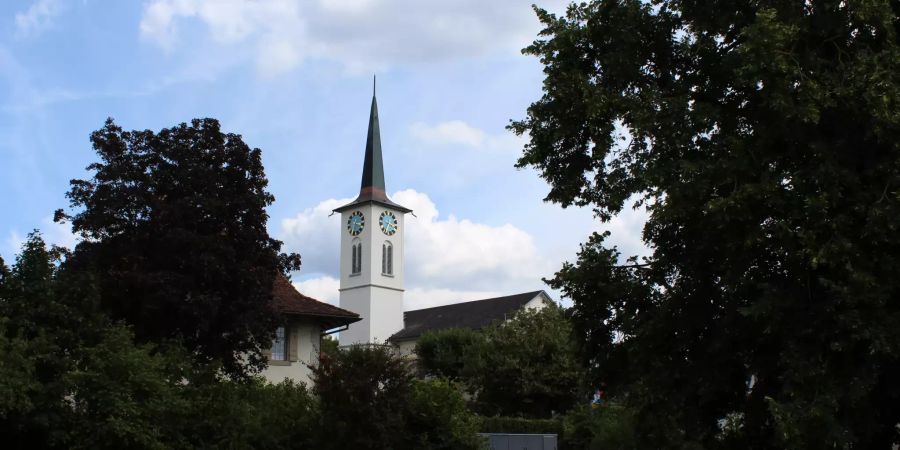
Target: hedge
[{"x": 500, "y": 424}]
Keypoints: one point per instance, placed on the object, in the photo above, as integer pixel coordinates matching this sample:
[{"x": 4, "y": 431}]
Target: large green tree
[
  {"x": 526, "y": 366},
  {"x": 763, "y": 137},
  {"x": 369, "y": 398},
  {"x": 70, "y": 378},
  {"x": 174, "y": 227}
]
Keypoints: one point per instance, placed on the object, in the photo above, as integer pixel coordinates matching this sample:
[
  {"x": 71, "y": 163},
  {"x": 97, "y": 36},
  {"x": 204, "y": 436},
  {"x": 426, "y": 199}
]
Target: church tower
[{"x": 372, "y": 251}]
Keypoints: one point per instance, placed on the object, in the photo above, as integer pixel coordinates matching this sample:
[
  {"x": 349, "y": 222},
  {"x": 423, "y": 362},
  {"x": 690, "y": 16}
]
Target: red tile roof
[{"x": 290, "y": 302}]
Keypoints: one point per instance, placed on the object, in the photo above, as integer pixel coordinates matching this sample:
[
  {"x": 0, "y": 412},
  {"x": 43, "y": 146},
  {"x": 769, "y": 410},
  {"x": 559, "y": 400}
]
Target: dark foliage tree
[
  {"x": 69, "y": 378},
  {"x": 329, "y": 345},
  {"x": 369, "y": 399},
  {"x": 4, "y": 272},
  {"x": 764, "y": 139},
  {"x": 609, "y": 427},
  {"x": 41, "y": 333},
  {"x": 445, "y": 353},
  {"x": 527, "y": 366},
  {"x": 174, "y": 228},
  {"x": 254, "y": 414}
]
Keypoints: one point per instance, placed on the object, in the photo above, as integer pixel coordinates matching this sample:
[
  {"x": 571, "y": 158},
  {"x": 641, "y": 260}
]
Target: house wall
[
  {"x": 306, "y": 336},
  {"x": 540, "y": 302},
  {"x": 406, "y": 348}
]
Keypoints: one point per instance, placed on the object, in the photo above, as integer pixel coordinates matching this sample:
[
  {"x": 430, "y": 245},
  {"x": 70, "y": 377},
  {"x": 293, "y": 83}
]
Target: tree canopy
[
  {"x": 72, "y": 378},
  {"x": 763, "y": 137},
  {"x": 527, "y": 366},
  {"x": 174, "y": 226},
  {"x": 370, "y": 399}
]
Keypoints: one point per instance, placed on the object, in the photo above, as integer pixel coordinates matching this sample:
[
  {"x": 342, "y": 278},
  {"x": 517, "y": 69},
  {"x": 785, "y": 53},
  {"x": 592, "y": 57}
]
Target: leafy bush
[
  {"x": 527, "y": 366},
  {"x": 500, "y": 424},
  {"x": 439, "y": 419},
  {"x": 369, "y": 399},
  {"x": 609, "y": 427},
  {"x": 443, "y": 353}
]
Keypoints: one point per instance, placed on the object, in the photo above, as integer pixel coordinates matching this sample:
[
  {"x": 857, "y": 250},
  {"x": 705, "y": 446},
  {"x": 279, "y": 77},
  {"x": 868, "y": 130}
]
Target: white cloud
[
  {"x": 452, "y": 132},
  {"x": 419, "y": 298},
  {"x": 324, "y": 289},
  {"x": 464, "y": 255},
  {"x": 37, "y": 18},
  {"x": 447, "y": 259},
  {"x": 625, "y": 231},
  {"x": 359, "y": 35},
  {"x": 314, "y": 234},
  {"x": 53, "y": 234}
]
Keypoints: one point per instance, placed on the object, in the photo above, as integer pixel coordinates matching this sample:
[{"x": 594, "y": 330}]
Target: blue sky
[{"x": 294, "y": 77}]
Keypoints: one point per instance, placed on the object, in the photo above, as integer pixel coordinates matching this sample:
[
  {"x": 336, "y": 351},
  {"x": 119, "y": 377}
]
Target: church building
[{"x": 371, "y": 285}]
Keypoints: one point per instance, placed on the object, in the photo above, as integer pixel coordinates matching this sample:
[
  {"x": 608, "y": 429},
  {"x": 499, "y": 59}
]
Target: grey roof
[
  {"x": 475, "y": 314},
  {"x": 372, "y": 188}
]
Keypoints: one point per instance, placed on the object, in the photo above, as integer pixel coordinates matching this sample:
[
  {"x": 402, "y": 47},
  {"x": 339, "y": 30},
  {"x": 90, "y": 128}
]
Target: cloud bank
[{"x": 357, "y": 34}]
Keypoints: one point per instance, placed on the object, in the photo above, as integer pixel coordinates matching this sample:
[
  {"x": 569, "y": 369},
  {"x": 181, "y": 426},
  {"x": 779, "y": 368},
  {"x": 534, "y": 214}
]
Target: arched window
[
  {"x": 387, "y": 258},
  {"x": 356, "y": 261}
]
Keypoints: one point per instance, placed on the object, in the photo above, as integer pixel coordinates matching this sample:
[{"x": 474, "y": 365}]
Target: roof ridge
[{"x": 476, "y": 301}]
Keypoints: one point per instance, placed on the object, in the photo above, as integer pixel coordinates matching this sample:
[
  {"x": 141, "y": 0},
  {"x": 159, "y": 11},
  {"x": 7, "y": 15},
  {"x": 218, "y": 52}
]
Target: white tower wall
[{"x": 375, "y": 296}]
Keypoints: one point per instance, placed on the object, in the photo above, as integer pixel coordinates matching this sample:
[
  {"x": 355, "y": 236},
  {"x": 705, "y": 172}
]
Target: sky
[{"x": 294, "y": 78}]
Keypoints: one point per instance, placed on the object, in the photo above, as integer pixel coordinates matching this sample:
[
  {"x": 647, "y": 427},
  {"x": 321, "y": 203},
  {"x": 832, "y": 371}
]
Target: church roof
[
  {"x": 475, "y": 315},
  {"x": 372, "y": 188},
  {"x": 290, "y": 302}
]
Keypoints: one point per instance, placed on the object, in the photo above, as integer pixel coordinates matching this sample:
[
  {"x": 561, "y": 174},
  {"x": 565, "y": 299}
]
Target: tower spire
[
  {"x": 372, "y": 188},
  {"x": 373, "y": 168}
]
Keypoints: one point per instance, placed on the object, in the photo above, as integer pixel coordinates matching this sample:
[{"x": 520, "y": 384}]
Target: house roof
[
  {"x": 290, "y": 302},
  {"x": 475, "y": 314}
]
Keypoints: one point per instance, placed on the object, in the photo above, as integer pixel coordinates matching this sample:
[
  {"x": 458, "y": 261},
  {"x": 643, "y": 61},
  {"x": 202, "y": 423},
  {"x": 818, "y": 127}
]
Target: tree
[
  {"x": 439, "y": 419},
  {"x": 527, "y": 366},
  {"x": 174, "y": 227},
  {"x": 40, "y": 333},
  {"x": 251, "y": 414},
  {"x": 329, "y": 345},
  {"x": 764, "y": 140},
  {"x": 609, "y": 427},
  {"x": 4, "y": 272},
  {"x": 70, "y": 378},
  {"x": 446, "y": 353},
  {"x": 369, "y": 399}
]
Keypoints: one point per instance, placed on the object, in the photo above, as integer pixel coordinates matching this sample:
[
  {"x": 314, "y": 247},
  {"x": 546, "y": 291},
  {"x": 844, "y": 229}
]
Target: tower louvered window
[
  {"x": 356, "y": 261},
  {"x": 387, "y": 258}
]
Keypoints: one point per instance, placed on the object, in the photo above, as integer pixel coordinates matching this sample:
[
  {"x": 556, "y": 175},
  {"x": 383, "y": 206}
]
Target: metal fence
[{"x": 512, "y": 441}]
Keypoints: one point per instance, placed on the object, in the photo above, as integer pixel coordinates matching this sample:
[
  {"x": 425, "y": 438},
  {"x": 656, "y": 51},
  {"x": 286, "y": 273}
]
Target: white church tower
[{"x": 372, "y": 251}]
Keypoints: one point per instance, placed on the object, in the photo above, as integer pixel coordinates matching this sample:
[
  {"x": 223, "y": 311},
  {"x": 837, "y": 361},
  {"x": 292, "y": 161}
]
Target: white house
[{"x": 296, "y": 346}]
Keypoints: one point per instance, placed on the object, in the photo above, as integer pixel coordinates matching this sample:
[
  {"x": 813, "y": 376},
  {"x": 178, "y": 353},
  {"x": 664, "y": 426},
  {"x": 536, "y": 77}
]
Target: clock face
[
  {"x": 356, "y": 223},
  {"x": 388, "y": 223}
]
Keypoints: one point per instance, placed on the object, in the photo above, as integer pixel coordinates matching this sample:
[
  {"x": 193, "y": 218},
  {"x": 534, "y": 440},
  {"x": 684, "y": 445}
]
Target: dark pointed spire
[
  {"x": 373, "y": 168},
  {"x": 372, "y": 188}
]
